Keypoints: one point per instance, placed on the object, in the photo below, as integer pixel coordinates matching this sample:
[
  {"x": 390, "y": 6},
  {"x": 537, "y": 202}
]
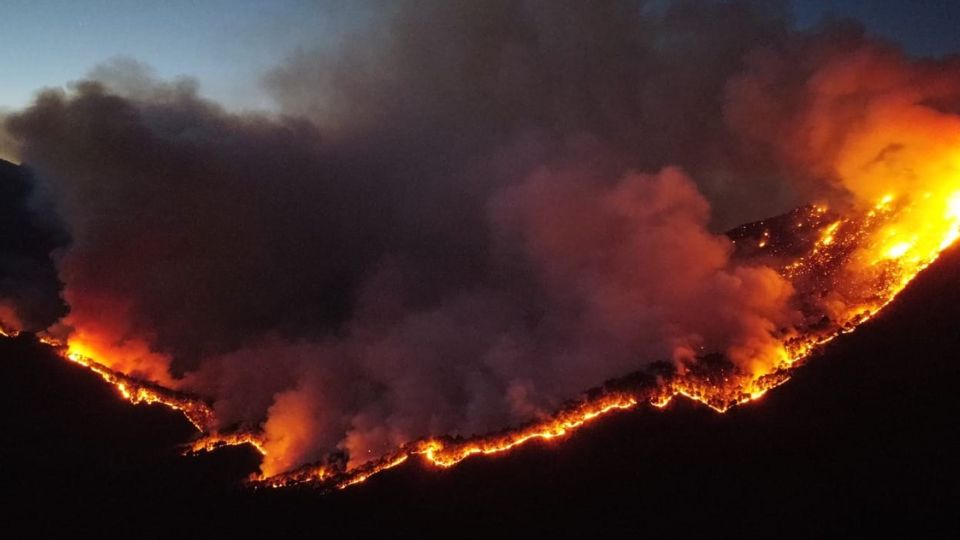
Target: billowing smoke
[
  {"x": 29, "y": 236},
  {"x": 854, "y": 112},
  {"x": 467, "y": 213}
]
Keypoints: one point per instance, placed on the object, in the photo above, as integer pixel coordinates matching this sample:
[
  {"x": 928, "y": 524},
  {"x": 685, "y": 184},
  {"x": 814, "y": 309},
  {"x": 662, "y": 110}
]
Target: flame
[
  {"x": 9, "y": 321},
  {"x": 132, "y": 357},
  {"x": 368, "y": 472},
  {"x": 213, "y": 441},
  {"x": 828, "y": 234},
  {"x": 448, "y": 455}
]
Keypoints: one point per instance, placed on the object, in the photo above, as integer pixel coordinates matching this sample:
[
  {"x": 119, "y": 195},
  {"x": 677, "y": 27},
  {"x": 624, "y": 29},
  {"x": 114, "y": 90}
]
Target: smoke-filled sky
[
  {"x": 228, "y": 44},
  {"x": 457, "y": 215}
]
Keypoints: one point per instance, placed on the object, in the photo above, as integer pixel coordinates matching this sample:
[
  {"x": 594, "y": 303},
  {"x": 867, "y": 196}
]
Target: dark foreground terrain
[{"x": 866, "y": 438}]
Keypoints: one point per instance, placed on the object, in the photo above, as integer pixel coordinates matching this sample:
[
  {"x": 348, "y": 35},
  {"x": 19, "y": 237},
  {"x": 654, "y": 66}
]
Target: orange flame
[
  {"x": 9, "y": 321},
  {"x": 213, "y": 441},
  {"x": 448, "y": 455}
]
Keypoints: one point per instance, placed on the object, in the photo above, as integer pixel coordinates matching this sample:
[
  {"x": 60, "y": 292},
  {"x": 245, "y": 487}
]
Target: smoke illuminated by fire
[{"x": 9, "y": 321}]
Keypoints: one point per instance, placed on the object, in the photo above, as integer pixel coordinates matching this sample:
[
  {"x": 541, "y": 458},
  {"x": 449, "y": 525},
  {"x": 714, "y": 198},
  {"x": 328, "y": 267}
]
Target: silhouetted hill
[
  {"x": 77, "y": 457},
  {"x": 864, "y": 438}
]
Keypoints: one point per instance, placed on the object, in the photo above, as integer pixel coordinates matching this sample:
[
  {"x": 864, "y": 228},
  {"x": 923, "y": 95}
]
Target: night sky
[{"x": 227, "y": 44}]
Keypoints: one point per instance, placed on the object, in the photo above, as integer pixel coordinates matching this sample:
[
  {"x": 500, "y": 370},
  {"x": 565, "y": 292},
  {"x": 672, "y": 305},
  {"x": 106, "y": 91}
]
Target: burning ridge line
[
  {"x": 446, "y": 452},
  {"x": 656, "y": 389},
  {"x": 136, "y": 391}
]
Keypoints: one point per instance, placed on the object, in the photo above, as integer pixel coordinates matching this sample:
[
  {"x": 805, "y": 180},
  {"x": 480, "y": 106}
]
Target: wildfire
[
  {"x": 843, "y": 264},
  {"x": 854, "y": 265}
]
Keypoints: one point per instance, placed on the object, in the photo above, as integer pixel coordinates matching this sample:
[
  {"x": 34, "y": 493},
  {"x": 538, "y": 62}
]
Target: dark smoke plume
[{"x": 29, "y": 287}]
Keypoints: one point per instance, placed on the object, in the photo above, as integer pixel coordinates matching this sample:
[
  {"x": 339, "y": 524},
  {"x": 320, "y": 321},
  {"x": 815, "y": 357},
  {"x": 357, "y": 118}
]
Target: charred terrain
[{"x": 864, "y": 436}]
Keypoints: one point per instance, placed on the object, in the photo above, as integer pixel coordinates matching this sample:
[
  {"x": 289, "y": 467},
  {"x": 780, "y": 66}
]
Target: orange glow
[
  {"x": 828, "y": 233},
  {"x": 132, "y": 357},
  {"x": 366, "y": 473},
  {"x": 9, "y": 321}
]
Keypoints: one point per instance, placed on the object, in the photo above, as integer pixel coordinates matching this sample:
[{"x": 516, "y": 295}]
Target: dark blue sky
[
  {"x": 227, "y": 44},
  {"x": 923, "y": 27}
]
